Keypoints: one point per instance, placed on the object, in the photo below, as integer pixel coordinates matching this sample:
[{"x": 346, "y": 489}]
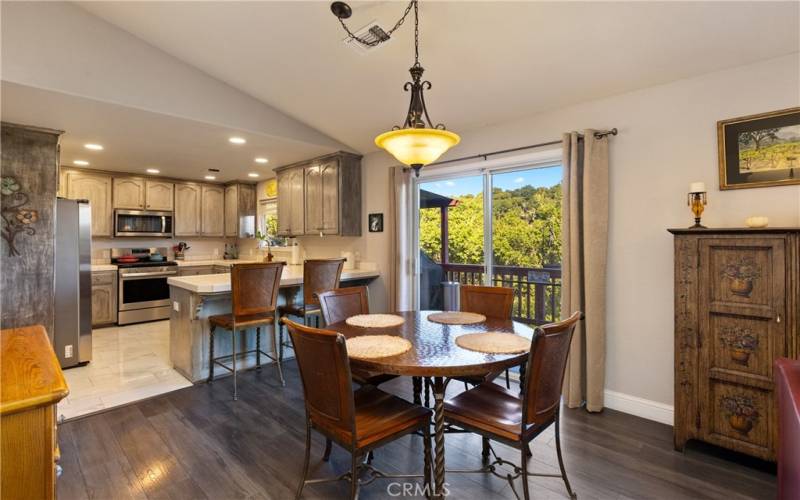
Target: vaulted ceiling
[{"x": 488, "y": 61}]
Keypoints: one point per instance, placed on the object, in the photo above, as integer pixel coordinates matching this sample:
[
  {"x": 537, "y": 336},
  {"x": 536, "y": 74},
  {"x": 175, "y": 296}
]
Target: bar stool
[
  {"x": 319, "y": 275},
  {"x": 254, "y": 295}
]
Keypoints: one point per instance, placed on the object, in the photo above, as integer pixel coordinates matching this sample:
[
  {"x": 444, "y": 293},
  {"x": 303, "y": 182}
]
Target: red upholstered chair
[{"x": 787, "y": 380}]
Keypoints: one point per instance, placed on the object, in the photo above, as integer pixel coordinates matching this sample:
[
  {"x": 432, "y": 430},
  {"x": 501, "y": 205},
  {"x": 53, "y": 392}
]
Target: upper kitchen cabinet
[
  {"x": 291, "y": 202},
  {"x": 158, "y": 195},
  {"x": 199, "y": 209},
  {"x": 97, "y": 189},
  {"x": 240, "y": 210},
  {"x": 212, "y": 220},
  {"x": 140, "y": 194},
  {"x": 321, "y": 196},
  {"x": 187, "y": 209}
]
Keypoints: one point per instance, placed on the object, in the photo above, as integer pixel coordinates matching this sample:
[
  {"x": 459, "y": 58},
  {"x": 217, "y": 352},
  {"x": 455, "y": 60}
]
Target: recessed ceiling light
[
  {"x": 153, "y": 171},
  {"x": 252, "y": 174},
  {"x": 93, "y": 147},
  {"x": 261, "y": 160},
  {"x": 82, "y": 163},
  {"x": 210, "y": 178},
  {"x": 237, "y": 140}
]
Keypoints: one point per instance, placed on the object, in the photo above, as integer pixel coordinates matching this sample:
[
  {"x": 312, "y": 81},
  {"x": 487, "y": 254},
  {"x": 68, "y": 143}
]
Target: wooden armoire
[{"x": 737, "y": 295}]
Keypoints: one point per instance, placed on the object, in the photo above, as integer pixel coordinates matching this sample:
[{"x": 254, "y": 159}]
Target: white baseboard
[{"x": 644, "y": 408}]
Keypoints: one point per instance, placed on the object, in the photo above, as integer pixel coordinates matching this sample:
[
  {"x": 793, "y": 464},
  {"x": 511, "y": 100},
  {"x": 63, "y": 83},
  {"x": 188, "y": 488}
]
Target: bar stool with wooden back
[
  {"x": 501, "y": 415},
  {"x": 254, "y": 295},
  {"x": 319, "y": 275},
  {"x": 357, "y": 421},
  {"x": 338, "y": 305}
]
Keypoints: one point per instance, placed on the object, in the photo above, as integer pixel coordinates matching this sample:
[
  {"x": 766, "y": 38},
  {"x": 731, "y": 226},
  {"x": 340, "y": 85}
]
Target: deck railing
[{"x": 537, "y": 291}]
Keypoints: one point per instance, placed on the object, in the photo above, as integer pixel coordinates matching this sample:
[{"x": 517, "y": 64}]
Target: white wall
[{"x": 667, "y": 138}]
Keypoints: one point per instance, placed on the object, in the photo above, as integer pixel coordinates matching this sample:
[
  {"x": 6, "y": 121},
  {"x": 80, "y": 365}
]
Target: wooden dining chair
[
  {"x": 254, "y": 295},
  {"x": 493, "y": 302},
  {"x": 338, "y": 305},
  {"x": 319, "y": 275},
  {"x": 500, "y": 415},
  {"x": 357, "y": 421}
]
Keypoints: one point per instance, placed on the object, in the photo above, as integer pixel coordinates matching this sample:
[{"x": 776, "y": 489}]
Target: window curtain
[
  {"x": 585, "y": 248},
  {"x": 401, "y": 272}
]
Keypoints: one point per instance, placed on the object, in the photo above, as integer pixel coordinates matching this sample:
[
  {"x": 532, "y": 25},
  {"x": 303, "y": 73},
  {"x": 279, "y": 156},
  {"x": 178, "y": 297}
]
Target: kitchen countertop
[
  {"x": 218, "y": 283},
  {"x": 103, "y": 267},
  {"x": 214, "y": 262}
]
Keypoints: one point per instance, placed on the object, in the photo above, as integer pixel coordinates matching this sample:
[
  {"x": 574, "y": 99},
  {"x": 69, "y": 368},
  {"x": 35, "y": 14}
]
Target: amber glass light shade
[{"x": 417, "y": 147}]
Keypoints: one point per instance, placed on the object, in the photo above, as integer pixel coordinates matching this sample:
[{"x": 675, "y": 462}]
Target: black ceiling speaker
[{"x": 341, "y": 10}]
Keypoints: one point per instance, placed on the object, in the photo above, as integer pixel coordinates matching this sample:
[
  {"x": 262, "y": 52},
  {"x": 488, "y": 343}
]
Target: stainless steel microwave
[{"x": 142, "y": 223}]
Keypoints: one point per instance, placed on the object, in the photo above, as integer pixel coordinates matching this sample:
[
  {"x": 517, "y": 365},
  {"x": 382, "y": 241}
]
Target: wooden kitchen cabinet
[
  {"x": 212, "y": 220},
  {"x": 187, "y": 209},
  {"x": 97, "y": 189},
  {"x": 736, "y": 296},
  {"x": 240, "y": 211},
  {"x": 291, "y": 202},
  {"x": 129, "y": 193},
  {"x": 31, "y": 386},
  {"x": 104, "y": 297},
  {"x": 199, "y": 210},
  {"x": 159, "y": 195},
  {"x": 142, "y": 194},
  {"x": 320, "y": 196}
]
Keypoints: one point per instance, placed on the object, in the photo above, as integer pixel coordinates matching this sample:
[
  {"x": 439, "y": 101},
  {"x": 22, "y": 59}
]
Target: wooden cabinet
[
  {"x": 199, "y": 210},
  {"x": 291, "y": 202},
  {"x": 158, "y": 195},
  {"x": 240, "y": 211},
  {"x": 320, "y": 196},
  {"x": 187, "y": 209},
  {"x": 142, "y": 194},
  {"x": 736, "y": 297},
  {"x": 129, "y": 193},
  {"x": 30, "y": 387},
  {"x": 219, "y": 269},
  {"x": 104, "y": 297},
  {"x": 97, "y": 189},
  {"x": 212, "y": 220}
]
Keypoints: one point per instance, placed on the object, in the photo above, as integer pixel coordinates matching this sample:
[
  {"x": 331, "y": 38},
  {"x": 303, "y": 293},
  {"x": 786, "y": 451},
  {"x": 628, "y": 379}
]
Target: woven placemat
[
  {"x": 456, "y": 318},
  {"x": 375, "y": 320},
  {"x": 376, "y": 346},
  {"x": 494, "y": 343}
]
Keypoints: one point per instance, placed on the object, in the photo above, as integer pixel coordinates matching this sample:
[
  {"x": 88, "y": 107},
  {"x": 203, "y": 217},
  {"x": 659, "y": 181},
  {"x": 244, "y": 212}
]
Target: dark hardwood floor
[{"x": 198, "y": 443}]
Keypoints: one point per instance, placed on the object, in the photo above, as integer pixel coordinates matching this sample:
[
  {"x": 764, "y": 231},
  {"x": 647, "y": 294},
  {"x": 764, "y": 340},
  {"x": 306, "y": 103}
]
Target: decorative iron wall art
[{"x": 16, "y": 218}]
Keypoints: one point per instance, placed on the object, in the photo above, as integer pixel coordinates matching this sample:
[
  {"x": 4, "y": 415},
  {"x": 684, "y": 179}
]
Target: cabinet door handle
[{"x": 778, "y": 318}]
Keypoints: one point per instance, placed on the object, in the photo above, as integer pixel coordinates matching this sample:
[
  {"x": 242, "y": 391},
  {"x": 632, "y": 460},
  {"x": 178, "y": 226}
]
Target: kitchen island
[{"x": 195, "y": 298}]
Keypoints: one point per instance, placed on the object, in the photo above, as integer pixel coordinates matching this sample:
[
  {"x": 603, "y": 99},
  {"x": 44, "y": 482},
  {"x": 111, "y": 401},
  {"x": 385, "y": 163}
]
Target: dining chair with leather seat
[
  {"x": 254, "y": 295},
  {"x": 338, "y": 305},
  {"x": 357, "y": 421},
  {"x": 319, "y": 275},
  {"x": 493, "y": 302},
  {"x": 501, "y": 415}
]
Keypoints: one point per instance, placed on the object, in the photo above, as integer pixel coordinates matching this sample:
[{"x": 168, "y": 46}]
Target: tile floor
[{"x": 129, "y": 363}]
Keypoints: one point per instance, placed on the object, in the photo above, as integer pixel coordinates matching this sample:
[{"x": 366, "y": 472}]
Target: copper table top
[{"x": 434, "y": 352}]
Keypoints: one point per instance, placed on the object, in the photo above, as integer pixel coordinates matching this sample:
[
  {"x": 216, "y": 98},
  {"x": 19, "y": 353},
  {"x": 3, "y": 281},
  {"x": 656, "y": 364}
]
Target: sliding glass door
[
  {"x": 497, "y": 227},
  {"x": 450, "y": 234}
]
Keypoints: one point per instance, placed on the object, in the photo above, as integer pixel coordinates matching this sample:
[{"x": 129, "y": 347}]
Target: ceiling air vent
[{"x": 372, "y": 33}]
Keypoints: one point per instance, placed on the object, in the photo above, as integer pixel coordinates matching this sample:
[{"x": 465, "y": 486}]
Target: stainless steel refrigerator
[{"x": 73, "y": 282}]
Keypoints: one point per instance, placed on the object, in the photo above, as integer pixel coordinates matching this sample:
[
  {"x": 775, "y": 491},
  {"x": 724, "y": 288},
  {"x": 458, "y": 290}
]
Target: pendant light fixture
[{"x": 418, "y": 142}]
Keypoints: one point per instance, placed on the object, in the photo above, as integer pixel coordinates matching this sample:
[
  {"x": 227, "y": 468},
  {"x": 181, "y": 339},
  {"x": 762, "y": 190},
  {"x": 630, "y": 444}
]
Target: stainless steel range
[{"x": 143, "y": 289}]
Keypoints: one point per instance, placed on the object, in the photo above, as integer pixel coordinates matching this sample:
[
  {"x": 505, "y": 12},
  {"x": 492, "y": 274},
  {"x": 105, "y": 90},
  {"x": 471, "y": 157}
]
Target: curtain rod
[{"x": 597, "y": 135}]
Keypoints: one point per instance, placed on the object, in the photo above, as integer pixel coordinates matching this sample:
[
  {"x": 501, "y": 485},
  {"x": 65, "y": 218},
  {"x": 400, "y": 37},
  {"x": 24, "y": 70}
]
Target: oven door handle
[{"x": 139, "y": 276}]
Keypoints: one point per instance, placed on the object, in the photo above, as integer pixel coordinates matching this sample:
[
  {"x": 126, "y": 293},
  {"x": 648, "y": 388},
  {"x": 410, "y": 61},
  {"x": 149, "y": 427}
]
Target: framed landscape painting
[{"x": 759, "y": 150}]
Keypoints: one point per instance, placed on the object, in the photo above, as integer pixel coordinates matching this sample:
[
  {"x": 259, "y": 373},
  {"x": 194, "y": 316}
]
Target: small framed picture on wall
[
  {"x": 375, "y": 223},
  {"x": 759, "y": 150}
]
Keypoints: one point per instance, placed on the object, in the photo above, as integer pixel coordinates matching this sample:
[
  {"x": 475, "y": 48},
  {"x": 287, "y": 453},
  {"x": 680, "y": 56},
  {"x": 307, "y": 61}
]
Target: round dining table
[{"x": 435, "y": 355}]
